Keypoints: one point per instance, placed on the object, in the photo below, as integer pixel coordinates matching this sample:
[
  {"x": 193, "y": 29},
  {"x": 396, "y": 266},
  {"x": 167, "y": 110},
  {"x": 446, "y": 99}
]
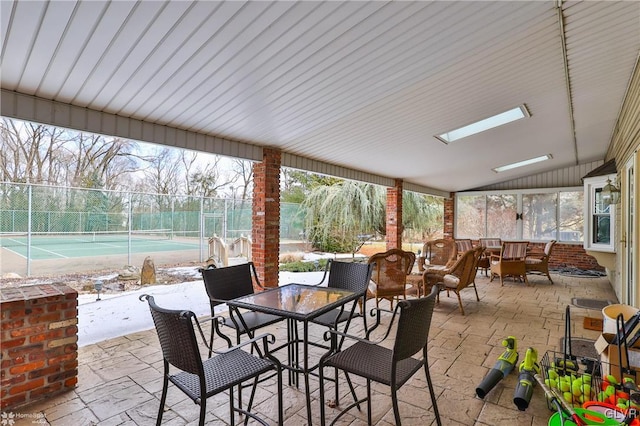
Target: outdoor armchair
[
  {"x": 389, "y": 363},
  {"x": 510, "y": 261},
  {"x": 200, "y": 379},
  {"x": 438, "y": 254},
  {"x": 463, "y": 274},
  {"x": 463, "y": 244},
  {"x": 389, "y": 274},
  {"x": 485, "y": 263},
  {"x": 539, "y": 263}
]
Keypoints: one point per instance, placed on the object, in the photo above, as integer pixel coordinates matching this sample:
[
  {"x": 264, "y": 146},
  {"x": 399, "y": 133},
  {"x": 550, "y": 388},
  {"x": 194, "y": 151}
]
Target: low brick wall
[
  {"x": 39, "y": 343},
  {"x": 569, "y": 256}
]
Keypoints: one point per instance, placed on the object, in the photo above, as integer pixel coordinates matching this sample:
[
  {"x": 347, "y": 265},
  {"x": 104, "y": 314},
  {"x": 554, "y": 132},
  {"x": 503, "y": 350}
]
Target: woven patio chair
[
  {"x": 346, "y": 276},
  {"x": 510, "y": 261},
  {"x": 389, "y": 275},
  {"x": 199, "y": 379},
  {"x": 539, "y": 263},
  {"x": 463, "y": 244},
  {"x": 374, "y": 361},
  {"x": 462, "y": 275},
  {"x": 484, "y": 262},
  {"x": 438, "y": 254},
  {"x": 228, "y": 283}
]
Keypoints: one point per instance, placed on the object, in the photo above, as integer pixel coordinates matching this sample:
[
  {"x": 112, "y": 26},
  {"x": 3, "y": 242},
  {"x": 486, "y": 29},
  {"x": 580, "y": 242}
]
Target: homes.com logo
[{"x": 10, "y": 418}]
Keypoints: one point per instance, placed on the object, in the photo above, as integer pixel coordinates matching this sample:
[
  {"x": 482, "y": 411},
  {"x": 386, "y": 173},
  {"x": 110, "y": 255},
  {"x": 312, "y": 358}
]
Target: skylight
[
  {"x": 522, "y": 163},
  {"x": 485, "y": 124}
]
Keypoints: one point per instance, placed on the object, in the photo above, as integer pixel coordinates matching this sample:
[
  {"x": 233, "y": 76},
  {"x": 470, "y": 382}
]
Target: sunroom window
[{"x": 534, "y": 215}]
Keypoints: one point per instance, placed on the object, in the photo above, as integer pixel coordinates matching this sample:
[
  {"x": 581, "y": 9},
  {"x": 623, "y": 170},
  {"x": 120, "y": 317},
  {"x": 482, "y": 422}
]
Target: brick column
[
  {"x": 394, "y": 215},
  {"x": 266, "y": 217},
  {"x": 39, "y": 343},
  {"x": 449, "y": 215}
]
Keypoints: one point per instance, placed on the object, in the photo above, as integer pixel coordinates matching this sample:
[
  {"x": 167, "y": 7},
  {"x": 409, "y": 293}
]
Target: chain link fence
[{"x": 44, "y": 227}]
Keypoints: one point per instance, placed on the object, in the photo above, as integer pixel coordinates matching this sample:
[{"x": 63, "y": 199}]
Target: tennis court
[{"x": 90, "y": 244}]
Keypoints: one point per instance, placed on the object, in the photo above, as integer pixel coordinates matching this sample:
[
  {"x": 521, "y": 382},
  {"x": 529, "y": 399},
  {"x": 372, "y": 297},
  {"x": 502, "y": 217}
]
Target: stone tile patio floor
[{"x": 120, "y": 380}]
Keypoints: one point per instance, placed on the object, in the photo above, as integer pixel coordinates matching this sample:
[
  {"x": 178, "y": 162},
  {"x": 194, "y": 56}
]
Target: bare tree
[
  {"x": 108, "y": 160},
  {"x": 30, "y": 152},
  {"x": 163, "y": 172},
  {"x": 208, "y": 180},
  {"x": 244, "y": 176}
]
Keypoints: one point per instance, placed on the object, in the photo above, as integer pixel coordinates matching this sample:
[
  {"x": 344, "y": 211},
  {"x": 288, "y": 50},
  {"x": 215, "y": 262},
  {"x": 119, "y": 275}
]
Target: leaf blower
[
  {"x": 524, "y": 389},
  {"x": 506, "y": 362}
]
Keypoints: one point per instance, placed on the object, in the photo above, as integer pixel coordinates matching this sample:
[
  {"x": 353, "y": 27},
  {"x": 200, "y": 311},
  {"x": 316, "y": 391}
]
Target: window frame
[
  {"x": 519, "y": 202},
  {"x": 591, "y": 187}
]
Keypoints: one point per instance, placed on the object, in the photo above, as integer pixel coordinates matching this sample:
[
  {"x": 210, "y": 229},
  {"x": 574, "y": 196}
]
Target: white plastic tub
[{"x": 611, "y": 312}]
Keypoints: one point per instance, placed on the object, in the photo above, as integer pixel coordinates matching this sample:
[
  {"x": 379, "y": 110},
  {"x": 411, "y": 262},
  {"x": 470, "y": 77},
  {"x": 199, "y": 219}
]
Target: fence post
[
  {"x": 129, "y": 220},
  {"x": 29, "y": 212},
  {"x": 201, "y": 230}
]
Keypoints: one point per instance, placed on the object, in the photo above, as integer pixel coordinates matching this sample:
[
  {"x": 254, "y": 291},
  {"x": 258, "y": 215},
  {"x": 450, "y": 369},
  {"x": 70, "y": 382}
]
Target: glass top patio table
[{"x": 299, "y": 303}]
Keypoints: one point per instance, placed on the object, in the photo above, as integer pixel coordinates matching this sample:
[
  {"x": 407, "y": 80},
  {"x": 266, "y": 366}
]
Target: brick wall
[
  {"x": 39, "y": 343},
  {"x": 394, "y": 216},
  {"x": 569, "y": 255},
  {"x": 265, "y": 247},
  {"x": 448, "y": 218}
]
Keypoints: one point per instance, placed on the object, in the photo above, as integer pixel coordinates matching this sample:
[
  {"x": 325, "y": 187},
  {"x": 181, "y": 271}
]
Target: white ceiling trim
[{"x": 44, "y": 111}]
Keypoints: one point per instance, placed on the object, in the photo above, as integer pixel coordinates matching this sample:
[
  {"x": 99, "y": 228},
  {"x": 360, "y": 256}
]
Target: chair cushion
[
  {"x": 436, "y": 268},
  {"x": 450, "y": 281},
  {"x": 530, "y": 261}
]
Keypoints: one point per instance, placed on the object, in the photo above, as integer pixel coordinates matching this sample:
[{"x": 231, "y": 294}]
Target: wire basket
[{"x": 575, "y": 379}]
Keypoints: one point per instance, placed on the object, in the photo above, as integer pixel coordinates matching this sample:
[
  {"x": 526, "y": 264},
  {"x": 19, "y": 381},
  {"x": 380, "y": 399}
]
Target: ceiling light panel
[
  {"x": 484, "y": 124},
  {"x": 522, "y": 163}
]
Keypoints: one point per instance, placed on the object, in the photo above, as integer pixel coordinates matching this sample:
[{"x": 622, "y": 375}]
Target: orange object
[
  {"x": 604, "y": 385},
  {"x": 622, "y": 394}
]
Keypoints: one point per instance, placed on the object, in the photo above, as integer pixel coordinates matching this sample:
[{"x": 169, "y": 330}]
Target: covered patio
[
  {"x": 120, "y": 380},
  {"x": 364, "y": 91}
]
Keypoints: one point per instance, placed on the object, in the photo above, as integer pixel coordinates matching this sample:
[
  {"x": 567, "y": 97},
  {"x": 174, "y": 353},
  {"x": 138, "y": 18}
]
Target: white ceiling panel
[{"x": 357, "y": 85}]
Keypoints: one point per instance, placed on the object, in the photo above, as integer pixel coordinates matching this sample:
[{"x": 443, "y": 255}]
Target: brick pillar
[
  {"x": 266, "y": 217},
  {"x": 394, "y": 215},
  {"x": 449, "y": 215},
  {"x": 38, "y": 344}
]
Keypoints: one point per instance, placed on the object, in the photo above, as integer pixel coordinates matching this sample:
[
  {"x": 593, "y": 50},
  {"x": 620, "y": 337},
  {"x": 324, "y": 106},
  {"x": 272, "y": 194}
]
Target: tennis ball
[
  {"x": 553, "y": 374},
  {"x": 611, "y": 379},
  {"x": 576, "y": 389},
  {"x": 610, "y": 390},
  {"x": 602, "y": 397},
  {"x": 568, "y": 396},
  {"x": 586, "y": 378},
  {"x": 564, "y": 386},
  {"x": 586, "y": 389}
]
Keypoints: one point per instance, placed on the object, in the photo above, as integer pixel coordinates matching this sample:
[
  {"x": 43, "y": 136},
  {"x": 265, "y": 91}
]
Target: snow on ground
[{"x": 120, "y": 314}]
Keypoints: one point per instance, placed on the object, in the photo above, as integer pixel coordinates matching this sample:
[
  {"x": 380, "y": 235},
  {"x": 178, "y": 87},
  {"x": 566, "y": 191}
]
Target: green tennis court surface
[{"x": 63, "y": 247}]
